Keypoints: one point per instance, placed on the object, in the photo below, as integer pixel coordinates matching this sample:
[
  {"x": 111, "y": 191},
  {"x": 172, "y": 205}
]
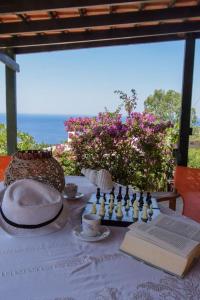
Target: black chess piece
[
  {"x": 119, "y": 196},
  {"x": 144, "y": 220},
  {"x": 141, "y": 201},
  {"x": 113, "y": 192},
  {"x": 148, "y": 199},
  {"x": 98, "y": 195},
  {"x": 126, "y": 197},
  {"x": 104, "y": 197},
  {"x": 133, "y": 198}
]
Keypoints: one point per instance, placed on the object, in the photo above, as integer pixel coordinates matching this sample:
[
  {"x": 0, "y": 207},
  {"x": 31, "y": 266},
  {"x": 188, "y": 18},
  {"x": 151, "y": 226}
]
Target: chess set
[{"x": 122, "y": 209}]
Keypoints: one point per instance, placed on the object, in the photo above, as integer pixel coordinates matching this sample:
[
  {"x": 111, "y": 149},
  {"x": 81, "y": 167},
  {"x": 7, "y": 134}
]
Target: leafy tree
[
  {"x": 193, "y": 116},
  {"x": 3, "y": 146},
  {"x": 167, "y": 106},
  {"x": 128, "y": 102}
]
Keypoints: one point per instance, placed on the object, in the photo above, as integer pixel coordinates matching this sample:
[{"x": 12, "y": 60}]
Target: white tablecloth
[{"x": 60, "y": 267}]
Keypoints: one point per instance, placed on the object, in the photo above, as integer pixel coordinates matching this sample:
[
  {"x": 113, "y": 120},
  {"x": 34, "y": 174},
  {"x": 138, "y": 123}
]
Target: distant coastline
[{"x": 45, "y": 128}]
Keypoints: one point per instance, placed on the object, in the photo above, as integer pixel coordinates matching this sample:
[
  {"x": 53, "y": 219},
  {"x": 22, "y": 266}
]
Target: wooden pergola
[{"x": 49, "y": 25}]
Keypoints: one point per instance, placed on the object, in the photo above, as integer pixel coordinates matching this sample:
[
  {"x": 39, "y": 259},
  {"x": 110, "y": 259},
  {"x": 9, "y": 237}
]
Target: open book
[{"x": 167, "y": 243}]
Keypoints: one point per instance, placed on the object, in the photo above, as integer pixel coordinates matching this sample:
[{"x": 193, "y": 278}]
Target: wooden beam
[
  {"x": 108, "y": 43},
  {"x": 82, "y": 12},
  {"x": 9, "y": 62},
  {"x": 141, "y": 6},
  {"x": 100, "y": 20},
  {"x": 11, "y": 108},
  {"x": 109, "y": 34},
  {"x": 23, "y": 17},
  {"x": 14, "y": 6},
  {"x": 172, "y": 3},
  {"x": 186, "y": 102},
  {"x": 53, "y": 14}
]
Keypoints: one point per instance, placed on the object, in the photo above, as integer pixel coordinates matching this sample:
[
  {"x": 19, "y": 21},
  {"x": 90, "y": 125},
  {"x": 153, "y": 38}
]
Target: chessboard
[{"x": 122, "y": 209}]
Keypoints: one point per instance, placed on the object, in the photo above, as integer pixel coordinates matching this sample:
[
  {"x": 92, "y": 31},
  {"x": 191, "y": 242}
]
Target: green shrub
[
  {"x": 194, "y": 158},
  {"x": 24, "y": 141},
  {"x": 66, "y": 159}
]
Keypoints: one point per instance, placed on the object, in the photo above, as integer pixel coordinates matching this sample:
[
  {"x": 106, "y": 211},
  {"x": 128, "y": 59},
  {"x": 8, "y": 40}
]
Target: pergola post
[
  {"x": 185, "y": 130},
  {"x": 11, "y": 107}
]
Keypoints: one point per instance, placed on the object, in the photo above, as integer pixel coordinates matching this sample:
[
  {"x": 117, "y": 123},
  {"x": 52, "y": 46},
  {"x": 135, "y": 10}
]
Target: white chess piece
[
  {"x": 135, "y": 204},
  {"x": 144, "y": 212},
  {"x": 94, "y": 209},
  {"x": 102, "y": 202},
  {"x": 119, "y": 211},
  {"x": 135, "y": 212},
  {"x": 151, "y": 211},
  {"x": 102, "y": 208},
  {"x": 127, "y": 205},
  {"x": 110, "y": 210}
]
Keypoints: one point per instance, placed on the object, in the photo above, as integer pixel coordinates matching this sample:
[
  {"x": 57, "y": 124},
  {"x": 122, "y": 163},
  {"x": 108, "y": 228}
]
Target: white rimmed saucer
[
  {"x": 103, "y": 234},
  {"x": 78, "y": 196}
]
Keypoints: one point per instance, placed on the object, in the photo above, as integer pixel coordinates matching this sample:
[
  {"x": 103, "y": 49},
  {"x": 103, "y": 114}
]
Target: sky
[{"x": 84, "y": 81}]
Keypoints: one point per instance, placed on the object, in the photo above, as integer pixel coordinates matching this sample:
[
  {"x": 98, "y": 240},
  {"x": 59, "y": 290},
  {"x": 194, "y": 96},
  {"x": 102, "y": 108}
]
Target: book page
[
  {"x": 181, "y": 227},
  {"x": 163, "y": 238}
]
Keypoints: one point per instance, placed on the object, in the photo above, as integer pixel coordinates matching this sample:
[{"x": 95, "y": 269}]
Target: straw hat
[{"x": 29, "y": 207}]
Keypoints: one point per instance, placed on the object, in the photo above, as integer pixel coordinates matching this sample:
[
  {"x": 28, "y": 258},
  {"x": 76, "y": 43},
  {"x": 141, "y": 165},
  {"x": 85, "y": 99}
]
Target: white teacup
[
  {"x": 91, "y": 224},
  {"x": 71, "y": 190}
]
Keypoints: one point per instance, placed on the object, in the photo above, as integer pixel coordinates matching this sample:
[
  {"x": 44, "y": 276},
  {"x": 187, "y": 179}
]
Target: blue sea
[{"x": 44, "y": 128}]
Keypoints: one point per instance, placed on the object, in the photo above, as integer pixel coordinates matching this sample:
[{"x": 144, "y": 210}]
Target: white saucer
[
  {"x": 103, "y": 234},
  {"x": 78, "y": 196}
]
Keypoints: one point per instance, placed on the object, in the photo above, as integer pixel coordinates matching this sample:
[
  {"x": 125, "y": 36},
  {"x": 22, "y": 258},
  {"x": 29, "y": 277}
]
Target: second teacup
[{"x": 71, "y": 190}]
